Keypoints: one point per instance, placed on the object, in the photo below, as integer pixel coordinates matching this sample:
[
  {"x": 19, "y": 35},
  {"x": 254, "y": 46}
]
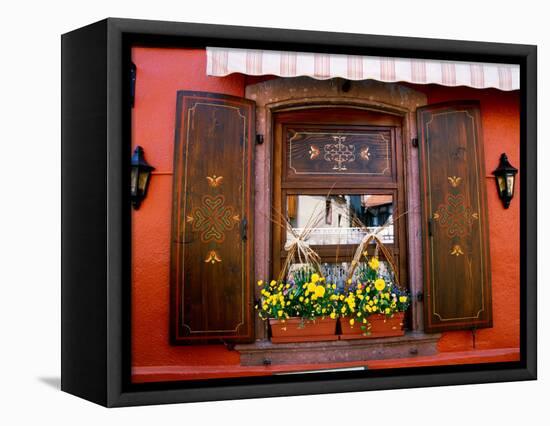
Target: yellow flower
[
  {"x": 307, "y": 300},
  {"x": 387, "y": 310},
  {"x": 380, "y": 284},
  {"x": 311, "y": 287},
  {"x": 334, "y": 286},
  {"x": 273, "y": 283},
  {"x": 301, "y": 299},
  {"x": 351, "y": 321},
  {"x": 358, "y": 314},
  {"x": 319, "y": 291},
  {"x": 333, "y": 315},
  {"x": 280, "y": 313},
  {"x": 264, "y": 307},
  {"x": 315, "y": 278},
  {"x": 260, "y": 283},
  {"x": 402, "y": 299},
  {"x": 374, "y": 263}
]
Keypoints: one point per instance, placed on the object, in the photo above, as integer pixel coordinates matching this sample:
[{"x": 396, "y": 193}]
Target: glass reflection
[
  {"x": 341, "y": 219},
  {"x": 338, "y": 272}
]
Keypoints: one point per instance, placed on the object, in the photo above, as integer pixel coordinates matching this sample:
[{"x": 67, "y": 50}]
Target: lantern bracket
[
  {"x": 505, "y": 175},
  {"x": 133, "y": 74}
]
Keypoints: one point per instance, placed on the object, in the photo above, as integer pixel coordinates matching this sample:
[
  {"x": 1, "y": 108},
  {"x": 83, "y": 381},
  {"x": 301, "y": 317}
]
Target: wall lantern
[
  {"x": 139, "y": 178},
  {"x": 505, "y": 175}
]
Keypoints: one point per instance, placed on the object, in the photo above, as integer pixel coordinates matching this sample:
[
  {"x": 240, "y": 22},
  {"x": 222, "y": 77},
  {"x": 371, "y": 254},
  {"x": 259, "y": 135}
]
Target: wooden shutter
[
  {"x": 457, "y": 280},
  {"x": 212, "y": 219}
]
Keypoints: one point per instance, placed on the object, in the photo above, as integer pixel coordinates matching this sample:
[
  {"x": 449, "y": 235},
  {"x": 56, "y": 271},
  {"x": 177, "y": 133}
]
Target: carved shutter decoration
[
  {"x": 457, "y": 280},
  {"x": 212, "y": 219}
]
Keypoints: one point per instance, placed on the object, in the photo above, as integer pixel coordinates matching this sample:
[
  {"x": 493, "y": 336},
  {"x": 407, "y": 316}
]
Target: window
[
  {"x": 347, "y": 217},
  {"x": 340, "y": 170}
]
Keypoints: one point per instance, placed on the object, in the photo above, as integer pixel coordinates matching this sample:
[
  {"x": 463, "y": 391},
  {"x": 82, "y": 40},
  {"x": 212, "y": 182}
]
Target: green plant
[
  {"x": 306, "y": 295},
  {"x": 372, "y": 294}
]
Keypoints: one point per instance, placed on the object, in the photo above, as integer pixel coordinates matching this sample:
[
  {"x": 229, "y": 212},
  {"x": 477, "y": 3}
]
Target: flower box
[
  {"x": 294, "y": 330},
  {"x": 380, "y": 326}
]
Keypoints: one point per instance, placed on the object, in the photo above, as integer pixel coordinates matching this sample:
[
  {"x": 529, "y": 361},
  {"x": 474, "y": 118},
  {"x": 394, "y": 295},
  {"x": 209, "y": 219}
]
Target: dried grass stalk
[
  {"x": 298, "y": 248},
  {"x": 363, "y": 246}
]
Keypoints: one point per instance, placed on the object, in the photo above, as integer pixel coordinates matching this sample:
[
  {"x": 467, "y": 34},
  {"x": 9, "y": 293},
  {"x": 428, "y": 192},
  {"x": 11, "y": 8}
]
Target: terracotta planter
[
  {"x": 381, "y": 326},
  {"x": 295, "y": 330}
]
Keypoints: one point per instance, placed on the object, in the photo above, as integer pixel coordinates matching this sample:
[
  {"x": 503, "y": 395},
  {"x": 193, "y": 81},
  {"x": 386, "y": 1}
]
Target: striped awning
[{"x": 223, "y": 61}]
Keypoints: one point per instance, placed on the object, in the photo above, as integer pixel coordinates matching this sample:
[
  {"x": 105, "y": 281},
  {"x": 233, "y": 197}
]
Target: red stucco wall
[{"x": 160, "y": 73}]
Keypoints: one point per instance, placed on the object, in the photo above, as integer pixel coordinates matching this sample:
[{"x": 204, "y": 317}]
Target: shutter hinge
[
  {"x": 133, "y": 73},
  {"x": 259, "y": 139},
  {"x": 414, "y": 142},
  {"x": 430, "y": 227},
  {"x": 244, "y": 229}
]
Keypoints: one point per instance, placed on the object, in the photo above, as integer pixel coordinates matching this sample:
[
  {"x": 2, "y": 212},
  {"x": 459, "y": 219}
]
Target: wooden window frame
[{"x": 310, "y": 185}]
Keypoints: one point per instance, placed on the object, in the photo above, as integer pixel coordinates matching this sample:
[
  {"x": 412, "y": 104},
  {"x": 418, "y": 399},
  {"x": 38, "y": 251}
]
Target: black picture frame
[{"x": 96, "y": 211}]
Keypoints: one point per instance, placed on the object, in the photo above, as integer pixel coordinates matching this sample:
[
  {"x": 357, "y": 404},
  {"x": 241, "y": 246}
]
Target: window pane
[{"x": 340, "y": 219}]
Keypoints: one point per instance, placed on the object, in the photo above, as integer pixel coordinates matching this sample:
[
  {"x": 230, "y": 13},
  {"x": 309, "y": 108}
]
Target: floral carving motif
[
  {"x": 454, "y": 181},
  {"x": 212, "y": 257},
  {"x": 313, "y": 152},
  {"x": 457, "y": 250},
  {"x": 339, "y": 153},
  {"x": 213, "y": 218},
  {"x": 214, "y": 181},
  {"x": 365, "y": 153},
  {"x": 455, "y": 216}
]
